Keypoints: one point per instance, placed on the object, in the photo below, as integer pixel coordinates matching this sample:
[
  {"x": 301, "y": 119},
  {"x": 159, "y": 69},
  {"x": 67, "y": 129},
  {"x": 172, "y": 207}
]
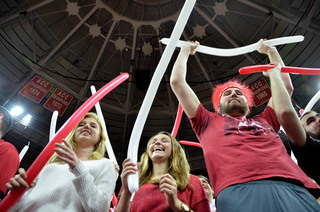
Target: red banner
[
  {"x": 59, "y": 101},
  {"x": 36, "y": 89},
  {"x": 261, "y": 92}
]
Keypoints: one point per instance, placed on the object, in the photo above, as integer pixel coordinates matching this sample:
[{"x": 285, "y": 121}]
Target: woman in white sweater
[{"x": 76, "y": 178}]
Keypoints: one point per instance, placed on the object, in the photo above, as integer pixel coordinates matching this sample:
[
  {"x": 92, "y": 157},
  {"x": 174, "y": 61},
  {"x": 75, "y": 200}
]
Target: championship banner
[
  {"x": 261, "y": 92},
  {"x": 36, "y": 89},
  {"x": 59, "y": 101}
]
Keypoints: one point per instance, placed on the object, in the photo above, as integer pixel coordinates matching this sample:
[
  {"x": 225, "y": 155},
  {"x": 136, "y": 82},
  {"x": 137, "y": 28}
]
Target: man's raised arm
[{"x": 187, "y": 98}]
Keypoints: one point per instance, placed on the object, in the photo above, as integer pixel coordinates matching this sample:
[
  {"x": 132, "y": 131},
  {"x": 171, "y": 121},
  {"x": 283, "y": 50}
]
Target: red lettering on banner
[
  {"x": 36, "y": 89},
  {"x": 59, "y": 101},
  {"x": 261, "y": 92}
]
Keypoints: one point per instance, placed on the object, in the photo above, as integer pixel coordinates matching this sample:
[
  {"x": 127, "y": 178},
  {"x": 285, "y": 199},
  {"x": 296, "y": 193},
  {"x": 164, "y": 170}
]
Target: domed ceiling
[{"x": 75, "y": 44}]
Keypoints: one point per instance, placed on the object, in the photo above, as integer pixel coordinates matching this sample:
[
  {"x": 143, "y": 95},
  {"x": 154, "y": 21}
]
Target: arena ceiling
[{"x": 76, "y": 44}]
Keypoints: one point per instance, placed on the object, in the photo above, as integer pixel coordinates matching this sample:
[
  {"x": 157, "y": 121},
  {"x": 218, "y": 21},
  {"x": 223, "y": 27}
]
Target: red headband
[{"x": 234, "y": 83}]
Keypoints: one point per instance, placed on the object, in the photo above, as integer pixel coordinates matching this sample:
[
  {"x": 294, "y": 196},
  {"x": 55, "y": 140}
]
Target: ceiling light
[
  {"x": 26, "y": 120},
  {"x": 16, "y": 111}
]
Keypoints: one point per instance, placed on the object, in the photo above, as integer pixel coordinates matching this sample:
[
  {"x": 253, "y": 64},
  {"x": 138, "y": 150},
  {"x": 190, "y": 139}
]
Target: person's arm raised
[
  {"x": 284, "y": 110},
  {"x": 275, "y": 58},
  {"x": 187, "y": 98}
]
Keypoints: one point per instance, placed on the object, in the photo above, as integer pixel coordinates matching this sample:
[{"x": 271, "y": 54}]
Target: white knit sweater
[{"x": 88, "y": 187}]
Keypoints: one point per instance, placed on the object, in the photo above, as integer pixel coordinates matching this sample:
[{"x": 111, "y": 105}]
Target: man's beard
[
  {"x": 234, "y": 109},
  {"x": 315, "y": 136}
]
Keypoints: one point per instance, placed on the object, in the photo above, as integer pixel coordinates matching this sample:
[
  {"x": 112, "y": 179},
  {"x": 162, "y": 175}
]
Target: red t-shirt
[
  {"x": 239, "y": 150},
  {"x": 9, "y": 163},
  {"x": 149, "y": 198}
]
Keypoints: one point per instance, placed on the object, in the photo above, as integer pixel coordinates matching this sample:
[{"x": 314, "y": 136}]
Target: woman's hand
[
  {"x": 128, "y": 167},
  {"x": 18, "y": 181},
  {"x": 66, "y": 154},
  {"x": 168, "y": 185}
]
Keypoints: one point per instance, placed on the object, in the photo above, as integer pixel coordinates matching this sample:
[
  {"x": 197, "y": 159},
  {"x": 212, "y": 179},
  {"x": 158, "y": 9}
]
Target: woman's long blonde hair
[
  {"x": 179, "y": 167},
  {"x": 99, "y": 148}
]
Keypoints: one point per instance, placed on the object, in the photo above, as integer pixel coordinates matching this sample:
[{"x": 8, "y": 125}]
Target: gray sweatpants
[{"x": 266, "y": 196}]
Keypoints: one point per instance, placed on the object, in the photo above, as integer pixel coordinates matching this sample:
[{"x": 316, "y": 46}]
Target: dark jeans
[{"x": 266, "y": 196}]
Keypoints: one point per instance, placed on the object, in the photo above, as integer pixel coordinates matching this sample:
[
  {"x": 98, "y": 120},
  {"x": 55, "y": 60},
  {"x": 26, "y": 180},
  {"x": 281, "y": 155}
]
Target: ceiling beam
[
  {"x": 16, "y": 15},
  {"x": 129, "y": 93},
  {"x": 307, "y": 21},
  {"x": 221, "y": 31},
  {"x": 138, "y": 22},
  {"x": 65, "y": 39},
  {"x": 85, "y": 88},
  {"x": 281, "y": 17}
]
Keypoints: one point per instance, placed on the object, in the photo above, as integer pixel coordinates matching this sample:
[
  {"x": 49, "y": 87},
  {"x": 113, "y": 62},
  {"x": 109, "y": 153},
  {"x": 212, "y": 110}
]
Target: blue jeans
[{"x": 266, "y": 196}]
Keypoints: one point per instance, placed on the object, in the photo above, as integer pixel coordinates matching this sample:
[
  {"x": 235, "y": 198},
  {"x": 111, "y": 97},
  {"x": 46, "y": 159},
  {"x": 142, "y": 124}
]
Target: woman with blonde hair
[
  {"x": 164, "y": 181},
  {"x": 76, "y": 178}
]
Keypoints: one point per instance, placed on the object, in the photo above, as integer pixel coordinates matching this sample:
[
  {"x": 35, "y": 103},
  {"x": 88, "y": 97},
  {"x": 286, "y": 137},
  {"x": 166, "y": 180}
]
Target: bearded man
[{"x": 247, "y": 163}]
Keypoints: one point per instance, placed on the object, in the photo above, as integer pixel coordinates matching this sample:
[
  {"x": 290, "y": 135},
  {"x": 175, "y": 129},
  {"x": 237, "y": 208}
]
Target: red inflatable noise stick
[
  {"x": 47, "y": 152},
  {"x": 284, "y": 69},
  {"x": 177, "y": 122},
  {"x": 190, "y": 143},
  {"x": 114, "y": 200},
  {"x": 301, "y": 112}
]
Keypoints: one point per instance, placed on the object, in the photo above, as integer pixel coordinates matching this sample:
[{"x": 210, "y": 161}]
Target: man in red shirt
[
  {"x": 246, "y": 161},
  {"x": 9, "y": 157}
]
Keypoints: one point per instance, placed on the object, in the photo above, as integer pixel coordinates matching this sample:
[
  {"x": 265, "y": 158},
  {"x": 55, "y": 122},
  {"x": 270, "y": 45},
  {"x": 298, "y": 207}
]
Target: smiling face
[
  {"x": 160, "y": 148},
  {"x": 311, "y": 123},
  {"x": 206, "y": 186},
  {"x": 233, "y": 103},
  {"x": 88, "y": 132}
]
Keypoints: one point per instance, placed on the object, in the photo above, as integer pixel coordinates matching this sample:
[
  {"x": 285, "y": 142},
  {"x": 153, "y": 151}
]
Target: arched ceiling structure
[{"x": 76, "y": 44}]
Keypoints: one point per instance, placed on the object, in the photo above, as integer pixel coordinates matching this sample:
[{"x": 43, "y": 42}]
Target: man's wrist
[{"x": 272, "y": 50}]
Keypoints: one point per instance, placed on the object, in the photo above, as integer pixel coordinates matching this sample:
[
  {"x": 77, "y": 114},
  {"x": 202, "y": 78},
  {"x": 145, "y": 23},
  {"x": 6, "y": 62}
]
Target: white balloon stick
[
  {"x": 107, "y": 143},
  {"x": 239, "y": 50},
  {"x": 53, "y": 124},
  {"x": 133, "y": 180},
  {"x": 23, "y": 151},
  {"x": 312, "y": 102}
]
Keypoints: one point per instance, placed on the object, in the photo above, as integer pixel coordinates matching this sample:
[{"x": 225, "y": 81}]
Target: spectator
[
  {"x": 245, "y": 158},
  {"x": 165, "y": 182},
  {"x": 305, "y": 142},
  {"x": 9, "y": 157},
  {"x": 209, "y": 192},
  {"x": 76, "y": 178}
]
